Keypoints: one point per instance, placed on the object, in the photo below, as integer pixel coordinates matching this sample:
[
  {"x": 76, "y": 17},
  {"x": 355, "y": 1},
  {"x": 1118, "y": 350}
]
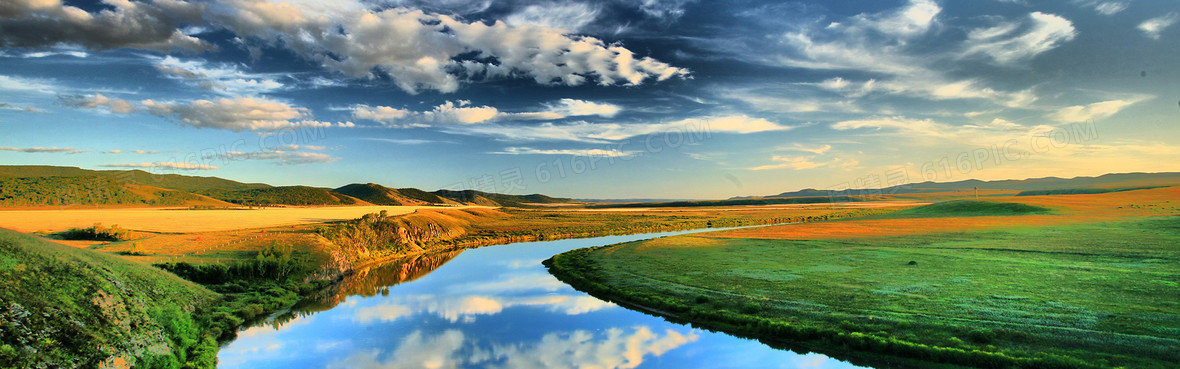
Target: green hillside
[
  {"x": 380, "y": 195},
  {"x": 88, "y": 191},
  {"x": 288, "y": 195},
  {"x": 66, "y": 307},
  {"x": 497, "y": 199},
  {"x": 169, "y": 181},
  {"x": 420, "y": 195}
]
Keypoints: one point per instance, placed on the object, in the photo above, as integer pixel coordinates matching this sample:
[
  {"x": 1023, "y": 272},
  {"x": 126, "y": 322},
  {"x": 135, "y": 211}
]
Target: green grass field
[
  {"x": 66, "y": 307},
  {"x": 1097, "y": 294}
]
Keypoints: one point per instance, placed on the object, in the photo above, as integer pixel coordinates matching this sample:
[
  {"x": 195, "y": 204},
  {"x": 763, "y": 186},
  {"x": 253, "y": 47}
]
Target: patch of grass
[
  {"x": 969, "y": 208},
  {"x": 1061, "y": 296},
  {"x": 1083, "y": 191}
]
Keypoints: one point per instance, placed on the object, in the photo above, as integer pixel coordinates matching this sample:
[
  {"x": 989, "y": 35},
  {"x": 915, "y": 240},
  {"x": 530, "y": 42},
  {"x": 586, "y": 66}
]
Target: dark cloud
[{"x": 140, "y": 25}]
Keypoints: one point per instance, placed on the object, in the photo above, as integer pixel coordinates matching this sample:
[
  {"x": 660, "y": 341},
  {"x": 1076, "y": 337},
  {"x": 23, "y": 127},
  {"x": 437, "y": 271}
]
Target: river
[{"x": 493, "y": 307}]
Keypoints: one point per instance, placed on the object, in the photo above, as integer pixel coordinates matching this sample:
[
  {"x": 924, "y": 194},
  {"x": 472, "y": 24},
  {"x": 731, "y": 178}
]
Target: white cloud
[
  {"x": 1154, "y": 26},
  {"x": 34, "y": 85},
  {"x": 162, "y": 165},
  {"x": 382, "y": 114},
  {"x": 566, "y": 15},
  {"x": 141, "y": 152},
  {"x": 463, "y": 113},
  {"x": 221, "y": 78},
  {"x": 932, "y": 87},
  {"x": 1104, "y": 7},
  {"x": 1095, "y": 111},
  {"x": 928, "y": 132},
  {"x": 667, "y": 10},
  {"x": 792, "y": 162},
  {"x": 577, "y": 108},
  {"x": 799, "y": 147},
  {"x": 117, "y": 106},
  {"x": 238, "y": 114},
  {"x": 575, "y": 152},
  {"x": 403, "y": 141},
  {"x": 282, "y": 157},
  {"x": 608, "y": 132},
  {"x": 141, "y": 25},
  {"x": 418, "y": 49},
  {"x": 27, "y": 109},
  {"x": 914, "y": 19},
  {"x": 779, "y": 99},
  {"x": 67, "y": 150},
  {"x": 1006, "y": 45},
  {"x": 449, "y": 113},
  {"x": 881, "y": 44}
]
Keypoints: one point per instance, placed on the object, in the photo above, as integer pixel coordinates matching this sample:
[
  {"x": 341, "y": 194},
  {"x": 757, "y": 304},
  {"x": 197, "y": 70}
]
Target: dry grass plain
[{"x": 174, "y": 220}]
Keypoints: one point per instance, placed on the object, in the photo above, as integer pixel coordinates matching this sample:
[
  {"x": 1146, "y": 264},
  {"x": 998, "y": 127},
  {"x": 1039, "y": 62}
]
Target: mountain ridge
[{"x": 1028, "y": 184}]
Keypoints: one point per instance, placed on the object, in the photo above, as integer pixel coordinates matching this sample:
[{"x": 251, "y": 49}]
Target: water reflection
[
  {"x": 487, "y": 308},
  {"x": 614, "y": 348}
]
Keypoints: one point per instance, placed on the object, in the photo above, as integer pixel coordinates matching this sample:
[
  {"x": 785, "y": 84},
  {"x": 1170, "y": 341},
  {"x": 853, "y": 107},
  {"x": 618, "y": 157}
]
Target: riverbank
[
  {"x": 1081, "y": 286},
  {"x": 277, "y": 268}
]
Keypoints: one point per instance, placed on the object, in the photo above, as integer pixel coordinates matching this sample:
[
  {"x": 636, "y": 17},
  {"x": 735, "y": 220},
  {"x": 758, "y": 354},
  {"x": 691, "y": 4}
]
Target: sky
[{"x": 671, "y": 99}]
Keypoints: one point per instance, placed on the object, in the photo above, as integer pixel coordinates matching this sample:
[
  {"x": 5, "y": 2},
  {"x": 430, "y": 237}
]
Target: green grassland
[
  {"x": 1082, "y": 191},
  {"x": 1080, "y": 295},
  {"x": 967, "y": 208},
  {"x": 71, "y": 308}
]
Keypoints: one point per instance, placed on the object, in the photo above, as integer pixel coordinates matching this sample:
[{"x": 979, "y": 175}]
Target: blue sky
[{"x": 605, "y": 99}]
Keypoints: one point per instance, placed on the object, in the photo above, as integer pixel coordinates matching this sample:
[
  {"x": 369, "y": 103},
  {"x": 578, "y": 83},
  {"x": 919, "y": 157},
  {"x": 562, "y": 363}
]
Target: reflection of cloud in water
[
  {"x": 581, "y": 349},
  {"x": 465, "y": 308},
  {"x": 415, "y": 351},
  {"x": 617, "y": 348},
  {"x": 525, "y": 282}
]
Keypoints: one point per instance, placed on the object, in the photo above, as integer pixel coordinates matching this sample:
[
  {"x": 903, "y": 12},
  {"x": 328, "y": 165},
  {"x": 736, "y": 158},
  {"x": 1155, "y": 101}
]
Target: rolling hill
[
  {"x": 380, "y": 195},
  {"x": 498, "y": 199},
  {"x": 1031, "y": 184},
  {"x": 92, "y": 191},
  {"x": 286, "y": 195},
  {"x": 139, "y": 177}
]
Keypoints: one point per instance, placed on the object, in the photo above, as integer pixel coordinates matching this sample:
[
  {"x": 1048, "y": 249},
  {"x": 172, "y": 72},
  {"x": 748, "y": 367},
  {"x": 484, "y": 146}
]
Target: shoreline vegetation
[{"x": 1044, "y": 285}]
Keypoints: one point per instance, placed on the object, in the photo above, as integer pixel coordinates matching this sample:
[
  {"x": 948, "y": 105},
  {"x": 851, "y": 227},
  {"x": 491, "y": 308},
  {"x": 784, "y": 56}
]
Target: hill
[
  {"x": 380, "y": 195},
  {"x": 1031, "y": 184},
  {"x": 66, "y": 307},
  {"x": 287, "y": 195},
  {"x": 498, "y": 199},
  {"x": 969, "y": 208},
  {"x": 91, "y": 191},
  {"x": 139, "y": 177}
]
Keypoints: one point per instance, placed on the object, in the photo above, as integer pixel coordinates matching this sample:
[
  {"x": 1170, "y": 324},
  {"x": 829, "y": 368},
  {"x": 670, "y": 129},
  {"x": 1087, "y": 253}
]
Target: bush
[
  {"x": 751, "y": 308},
  {"x": 981, "y": 335},
  {"x": 96, "y": 232}
]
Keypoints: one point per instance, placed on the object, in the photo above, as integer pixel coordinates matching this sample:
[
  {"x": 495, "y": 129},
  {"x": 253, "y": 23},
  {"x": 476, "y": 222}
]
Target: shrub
[{"x": 981, "y": 335}]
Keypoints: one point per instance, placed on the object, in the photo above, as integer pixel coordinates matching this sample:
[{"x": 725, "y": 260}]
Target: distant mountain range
[
  {"x": 37, "y": 185},
  {"x": 1031, "y": 184}
]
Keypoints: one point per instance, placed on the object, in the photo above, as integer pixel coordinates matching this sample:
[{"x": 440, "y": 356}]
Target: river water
[{"x": 491, "y": 307}]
